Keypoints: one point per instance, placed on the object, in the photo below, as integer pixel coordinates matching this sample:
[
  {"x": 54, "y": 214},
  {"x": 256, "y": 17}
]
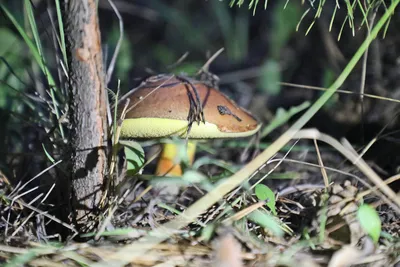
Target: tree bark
[{"x": 87, "y": 109}]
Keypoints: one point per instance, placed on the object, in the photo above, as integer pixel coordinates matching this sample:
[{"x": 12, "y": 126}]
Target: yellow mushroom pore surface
[{"x": 162, "y": 127}]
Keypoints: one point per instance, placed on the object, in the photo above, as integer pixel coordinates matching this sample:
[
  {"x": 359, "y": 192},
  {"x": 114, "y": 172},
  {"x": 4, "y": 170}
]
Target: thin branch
[{"x": 120, "y": 39}]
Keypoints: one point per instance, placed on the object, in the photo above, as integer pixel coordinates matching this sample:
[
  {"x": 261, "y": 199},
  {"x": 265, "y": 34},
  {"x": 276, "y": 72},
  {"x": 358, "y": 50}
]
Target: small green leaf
[
  {"x": 191, "y": 67},
  {"x": 263, "y": 192},
  {"x": 207, "y": 232},
  {"x": 267, "y": 221},
  {"x": 134, "y": 154},
  {"x": 370, "y": 221},
  {"x": 193, "y": 177}
]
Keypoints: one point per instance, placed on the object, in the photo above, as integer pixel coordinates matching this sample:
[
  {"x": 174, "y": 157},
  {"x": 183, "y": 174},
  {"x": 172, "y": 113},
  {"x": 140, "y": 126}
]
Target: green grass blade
[
  {"x": 28, "y": 41},
  {"x": 36, "y": 52},
  {"x": 61, "y": 32},
  {"x": 42, "y": 63},
  {"x": 32, "y": 23}
]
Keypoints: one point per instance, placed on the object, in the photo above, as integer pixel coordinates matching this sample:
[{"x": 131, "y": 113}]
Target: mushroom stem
[{"x": 169, "y": 162}]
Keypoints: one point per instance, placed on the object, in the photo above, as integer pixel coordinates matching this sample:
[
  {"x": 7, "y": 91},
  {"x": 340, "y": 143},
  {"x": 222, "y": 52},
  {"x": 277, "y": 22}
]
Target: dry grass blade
[
  {"x": 321, "y": 163},
  {"x": 340, "y": 91},
  {"x": 51, "y": 217},
  {"x": 346, "y": 256},
  {"x": 246, "y": 211},
  {"x": 372, "y": 189},
  {"x": 206, "y": 66},
  {"x": 354, "y": 158},
  {"x": 118, "y": 46}
]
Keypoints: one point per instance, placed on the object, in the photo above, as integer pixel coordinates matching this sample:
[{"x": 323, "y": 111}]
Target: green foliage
[
  {"x": 188, "y": 67},
  {"x": 184, "y": 23},
  {"x": 134, "y": 154},
  {"x": 21, "y": 260},
  {"x": 370, "y": 221},
  {"x": 10, "y": 85},
  {"x": 193, "y": 177},
  {"x": 263, "y": 192},
  {"x": 328, "y": 78},
  {"x": 49, "y": 157},
  {"x": 207, "y": 232},
  {"x": 270, "y": 78},
  {"x": 285, "y": 19},
  {"x": 234, "y": 29},
  {"x": 8, "y": 42},
  {"x": 284, "y": 23},
  {"x": 37, "y": 52},
  {"x": 267, "y": 221},
  {"x": 61, "y": 40},
  {"x": 25, "y": 257},
  {"x": 35, "y": 48},
  {"x": 163, "y": 54}
]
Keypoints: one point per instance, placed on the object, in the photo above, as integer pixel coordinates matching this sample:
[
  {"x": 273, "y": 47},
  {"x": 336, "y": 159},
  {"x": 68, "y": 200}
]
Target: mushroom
[{"x": 167, "y": 105}]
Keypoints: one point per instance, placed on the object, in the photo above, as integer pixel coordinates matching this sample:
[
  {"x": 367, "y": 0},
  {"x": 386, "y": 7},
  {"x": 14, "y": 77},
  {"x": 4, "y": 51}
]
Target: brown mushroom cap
[{"x": 160, "y": 107}]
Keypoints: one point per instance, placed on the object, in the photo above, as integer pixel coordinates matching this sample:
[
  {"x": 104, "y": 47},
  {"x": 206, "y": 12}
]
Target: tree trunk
[{"x": 87, "y": 109}]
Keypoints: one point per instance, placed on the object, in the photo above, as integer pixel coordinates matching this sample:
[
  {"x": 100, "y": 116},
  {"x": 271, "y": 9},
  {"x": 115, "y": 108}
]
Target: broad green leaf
[
  {"x": 370, "y": 221},
  {"x": 134, "y": 154},
  {"x": 263, "y": 192},
  {"x": 267, "y": 221}
]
